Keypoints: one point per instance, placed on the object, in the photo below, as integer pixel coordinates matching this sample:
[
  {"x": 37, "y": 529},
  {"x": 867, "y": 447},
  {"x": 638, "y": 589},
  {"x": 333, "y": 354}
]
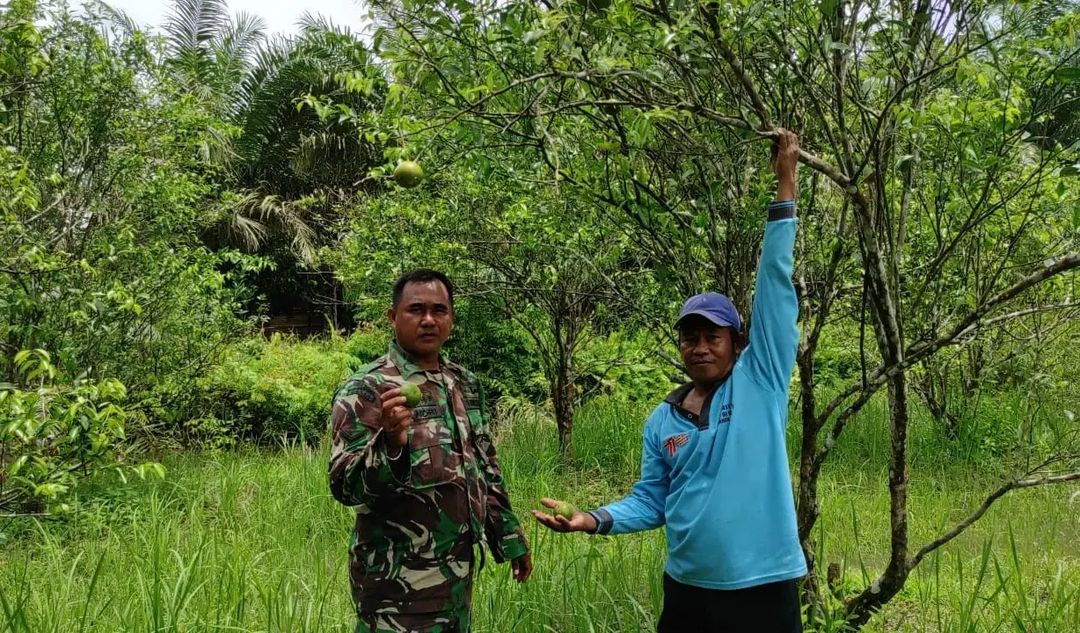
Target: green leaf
[
  {"x": 1067, "y": 74},
  {"x": 49, "y": 490},
  {"x": 17, "y": 465}
]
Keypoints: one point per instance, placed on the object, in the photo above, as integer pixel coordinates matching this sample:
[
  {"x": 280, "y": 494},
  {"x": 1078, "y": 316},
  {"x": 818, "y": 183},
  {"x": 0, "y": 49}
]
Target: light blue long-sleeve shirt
[{"x": 721, "y": 484}]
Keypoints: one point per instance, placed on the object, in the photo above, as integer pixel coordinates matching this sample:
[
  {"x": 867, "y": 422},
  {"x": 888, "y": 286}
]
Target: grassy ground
[{"x": 252, "y": 541}]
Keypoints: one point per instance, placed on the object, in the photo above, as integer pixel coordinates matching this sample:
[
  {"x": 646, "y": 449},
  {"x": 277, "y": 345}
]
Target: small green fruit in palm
[
  {"x": 408, "y": 174},
  {"x": 564, "y": 509},
  {"x": 412, "y": 394}
]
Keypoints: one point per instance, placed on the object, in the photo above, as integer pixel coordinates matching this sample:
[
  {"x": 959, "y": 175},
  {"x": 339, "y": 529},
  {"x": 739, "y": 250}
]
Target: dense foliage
[{"x": 587, "y": 165}]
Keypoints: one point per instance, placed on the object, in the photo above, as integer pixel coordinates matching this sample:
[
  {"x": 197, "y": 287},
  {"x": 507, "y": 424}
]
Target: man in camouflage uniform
[{"x": 424, "y": 482}]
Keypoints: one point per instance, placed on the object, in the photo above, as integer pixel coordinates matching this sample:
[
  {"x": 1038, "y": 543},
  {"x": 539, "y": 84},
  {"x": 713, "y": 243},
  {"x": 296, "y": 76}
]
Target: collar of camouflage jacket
[{"x": 405, "y": 364}]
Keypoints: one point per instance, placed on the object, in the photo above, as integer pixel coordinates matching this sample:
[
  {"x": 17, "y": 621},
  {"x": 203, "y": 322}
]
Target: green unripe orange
[
  {"x": 564, "y": 509},
  {"x": 408, "y": 174},
  {"x": 412, "y": 394}
]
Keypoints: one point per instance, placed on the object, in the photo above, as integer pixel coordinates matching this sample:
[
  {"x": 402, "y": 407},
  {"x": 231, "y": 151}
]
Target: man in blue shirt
[{"x": 714, "y": 468}]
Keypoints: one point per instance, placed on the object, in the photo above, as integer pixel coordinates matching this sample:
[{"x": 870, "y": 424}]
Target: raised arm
[{"x": 774, "y": 333}]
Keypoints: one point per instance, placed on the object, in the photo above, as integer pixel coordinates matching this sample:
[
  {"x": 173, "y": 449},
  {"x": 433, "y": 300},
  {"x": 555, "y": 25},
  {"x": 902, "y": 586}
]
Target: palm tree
[
  {"x": 291, "y": 146},
  {"x": 209, "y": 52},
  {"x": 286, "y": 163}
]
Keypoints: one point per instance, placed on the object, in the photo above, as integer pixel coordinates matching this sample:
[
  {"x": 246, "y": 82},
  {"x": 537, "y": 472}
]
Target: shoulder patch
[
  {"x": 364, "y": 380},
  {"x": 366, "y": 392}
]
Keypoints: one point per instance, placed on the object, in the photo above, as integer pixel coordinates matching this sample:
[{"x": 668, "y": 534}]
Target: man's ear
[
  {"x": 391, "y": 313},
  {"x": 738, "y": 340}
]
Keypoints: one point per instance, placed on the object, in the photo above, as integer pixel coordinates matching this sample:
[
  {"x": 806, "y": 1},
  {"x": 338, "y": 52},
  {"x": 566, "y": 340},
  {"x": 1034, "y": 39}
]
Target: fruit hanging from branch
[{"x": 408, "y": 174}]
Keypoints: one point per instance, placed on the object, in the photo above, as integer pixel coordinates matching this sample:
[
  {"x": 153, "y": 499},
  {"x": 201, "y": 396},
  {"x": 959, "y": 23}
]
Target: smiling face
[
  {"x": 708, "y": 351},
  {"x": 422, "y": 319}
]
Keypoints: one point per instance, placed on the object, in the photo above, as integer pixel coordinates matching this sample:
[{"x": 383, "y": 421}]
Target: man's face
[
  {"x": 422, "y": 318},
  {"x": 708, "y": 351}
]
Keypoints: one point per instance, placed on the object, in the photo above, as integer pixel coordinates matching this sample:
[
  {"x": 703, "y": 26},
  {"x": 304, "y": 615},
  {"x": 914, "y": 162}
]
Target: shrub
[
  {"x": 267, "y": 390},
  {"x": 55, "y": 433}
]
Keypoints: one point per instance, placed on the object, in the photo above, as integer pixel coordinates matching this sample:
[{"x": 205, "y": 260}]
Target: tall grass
[{"x": 252, "y": 541}]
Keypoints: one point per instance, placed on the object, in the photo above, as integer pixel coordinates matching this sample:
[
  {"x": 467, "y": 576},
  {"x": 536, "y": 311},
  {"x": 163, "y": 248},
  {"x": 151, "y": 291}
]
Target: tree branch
[
  {"x": 960, "y": 527},
  {"x": 923, "y": 349}
]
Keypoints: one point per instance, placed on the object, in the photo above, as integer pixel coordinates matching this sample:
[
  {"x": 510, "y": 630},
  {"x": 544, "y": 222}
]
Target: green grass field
[{"x": 252, "y": 541}]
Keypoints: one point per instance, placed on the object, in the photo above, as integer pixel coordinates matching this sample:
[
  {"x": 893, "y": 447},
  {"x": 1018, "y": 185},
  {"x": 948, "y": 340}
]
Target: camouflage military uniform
[{"x": 418, "y": 516}]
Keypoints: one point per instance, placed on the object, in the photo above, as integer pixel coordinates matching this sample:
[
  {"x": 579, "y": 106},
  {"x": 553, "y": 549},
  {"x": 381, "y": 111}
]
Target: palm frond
[
  {"x": 334, "y": 157},
  {"x": 312, "y": 64},
  {"x": 120, "y": 19},
  {"x": 232, "y": 53},
  {"x": 313, "y": 23},
  {"x": 268, "y": 57},
  {"x": 287, "y": 215},
  {"x": 191, "y": 27},
  {"x": 217, "y": 148},
  {"x": 240, "y": 38},
  {"x": 289, "y": 150},
  {"x": 247, "y": 232},
  {"x": 192, "y": 24},
  {"x": 257, "y": 215}
]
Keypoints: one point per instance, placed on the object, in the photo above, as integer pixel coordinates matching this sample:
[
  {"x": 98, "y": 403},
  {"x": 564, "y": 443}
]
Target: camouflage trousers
[
  {"x": 455, "y": 617},
  {"x": 442, "y": 622},
  {"x": 414, "y": 623}
]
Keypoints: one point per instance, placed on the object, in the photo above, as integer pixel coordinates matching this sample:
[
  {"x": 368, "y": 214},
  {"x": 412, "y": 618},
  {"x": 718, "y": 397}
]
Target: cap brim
[{"x": 708, "y": 317}]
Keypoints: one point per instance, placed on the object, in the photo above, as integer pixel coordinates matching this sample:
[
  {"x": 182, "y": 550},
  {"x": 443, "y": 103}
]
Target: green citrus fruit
[
  {"x": 412, "y": 394},
  {"x": 564, "y": 509},
  {"x": 408, "y": 174}
]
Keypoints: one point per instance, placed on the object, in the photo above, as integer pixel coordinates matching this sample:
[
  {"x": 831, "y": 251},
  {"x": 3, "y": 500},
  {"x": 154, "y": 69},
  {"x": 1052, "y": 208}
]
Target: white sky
[{"x": 280, "y": 15}]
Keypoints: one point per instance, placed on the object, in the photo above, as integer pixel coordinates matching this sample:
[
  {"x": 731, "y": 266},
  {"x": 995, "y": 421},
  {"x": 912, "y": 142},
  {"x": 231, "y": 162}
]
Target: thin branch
[
  {"x": 1020, "y": 314},
  {"x": 747, "y": 83},
  {"x": 922, "y": 349},
  {"x": 959, "y": 528}
]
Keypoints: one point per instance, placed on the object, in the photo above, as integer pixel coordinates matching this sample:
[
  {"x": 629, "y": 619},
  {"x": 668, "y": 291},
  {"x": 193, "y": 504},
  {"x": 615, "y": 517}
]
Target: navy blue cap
[{"x": 715, "y": 307}]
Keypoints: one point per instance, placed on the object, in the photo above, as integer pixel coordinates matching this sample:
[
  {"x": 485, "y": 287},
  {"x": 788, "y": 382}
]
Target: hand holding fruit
[
  {"x": 396, "y": 414},
  {"x": 566, "y": 517},
  {"x": 412, "y": 394}
]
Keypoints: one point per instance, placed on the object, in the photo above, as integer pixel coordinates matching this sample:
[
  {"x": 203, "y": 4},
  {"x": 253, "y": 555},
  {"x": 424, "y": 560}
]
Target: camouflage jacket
[{"x": 419, "y": 515}]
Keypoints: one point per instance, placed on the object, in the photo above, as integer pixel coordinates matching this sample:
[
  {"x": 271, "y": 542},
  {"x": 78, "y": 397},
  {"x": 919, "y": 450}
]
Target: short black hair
[{"x": 421, "y": 275}]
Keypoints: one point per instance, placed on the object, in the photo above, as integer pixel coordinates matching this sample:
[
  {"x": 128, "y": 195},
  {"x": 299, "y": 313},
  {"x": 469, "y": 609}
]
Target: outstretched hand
[{"x": 578, "y": 522}]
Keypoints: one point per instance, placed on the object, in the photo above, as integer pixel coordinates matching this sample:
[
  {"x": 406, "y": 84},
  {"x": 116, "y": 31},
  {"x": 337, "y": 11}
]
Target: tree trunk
[
  {"x": 882, "y": 292},
  {"x": 892, "y": 580},
  {"x": 562, "y": 396},
  {"x": 808, "y": 508}
]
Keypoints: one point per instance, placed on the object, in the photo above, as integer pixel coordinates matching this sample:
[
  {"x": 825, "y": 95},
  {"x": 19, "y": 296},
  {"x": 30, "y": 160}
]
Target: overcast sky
[{"x": 280, "y": 15}]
